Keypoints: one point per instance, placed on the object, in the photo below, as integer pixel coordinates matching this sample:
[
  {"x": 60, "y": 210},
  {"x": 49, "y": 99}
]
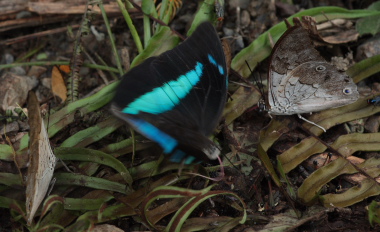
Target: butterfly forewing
[
  {"x": 180, "y": 93},
  {"x": 206, "y": 100}
]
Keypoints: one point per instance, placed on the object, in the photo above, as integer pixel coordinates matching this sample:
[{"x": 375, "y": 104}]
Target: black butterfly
[{"x": 176, "y": 99}]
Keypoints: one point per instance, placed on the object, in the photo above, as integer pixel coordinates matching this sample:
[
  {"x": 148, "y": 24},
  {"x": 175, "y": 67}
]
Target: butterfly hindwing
[
  {"x": 176, "y": 99},
  {"x": 301, "y": 80}
]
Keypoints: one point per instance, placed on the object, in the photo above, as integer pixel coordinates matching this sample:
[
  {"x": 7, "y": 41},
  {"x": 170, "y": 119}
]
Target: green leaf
[
  {"x": 126, "y": 146},
  {"x": 65, "y": 116},
  {"x": 260, "y": 48},
  {"x": 89, "y": 155},
  {"x": 81, "y": 204},
  {"x": 6, "y": 152},
  {"x": 268, "y": 165},
  {"x": 374, "y": 213},
  {"x": 10, "y": 179},
  {"x": 147, "y": 6},
  {"x": 368, "y": 25},
  {"x": 5, "y": 202},
  {"x": 364, "y": 68},
  {"x": 49, "y": 203},
  {"x": 374, "y": 6},
  {"x": 205, "y": 13},
  {"x": 292, "y": 157},
  {"x": 92, "y": 134},
  {"x": 160, "y": 42},
  {"x": 367, "y": 188},
  {"x": 195, "y": 197},
  {"x": 346, "y": 145},
  {"x": 184, "y": 212},
  {"x": 90, "y": 182},
  {"x": 243, "y": 98}
]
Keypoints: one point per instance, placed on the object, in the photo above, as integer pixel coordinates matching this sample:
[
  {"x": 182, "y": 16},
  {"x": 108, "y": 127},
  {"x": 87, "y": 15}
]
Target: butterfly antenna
[
  {"x": 18, "y": 166},
  {"x": 51, "y": 185},
  {"x": 63, "y": 163},
  {"x": 259, "y": 83},
  {"x": 248, "y": 84}
]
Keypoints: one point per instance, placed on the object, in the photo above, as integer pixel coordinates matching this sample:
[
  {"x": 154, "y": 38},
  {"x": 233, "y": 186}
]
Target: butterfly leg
[{"x": 312, "y": 123}]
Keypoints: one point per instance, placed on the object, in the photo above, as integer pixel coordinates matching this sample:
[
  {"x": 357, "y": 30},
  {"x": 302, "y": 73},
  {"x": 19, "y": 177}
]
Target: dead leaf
[
  {"x": 341, "y": 37},
  {"x": 58, "y": 86},
  {"x": 14, "y": 89},
  {"x": 227, "y": 53},
  {"x": 334, "y": 31},
  {"x": 65, "y": 68}
]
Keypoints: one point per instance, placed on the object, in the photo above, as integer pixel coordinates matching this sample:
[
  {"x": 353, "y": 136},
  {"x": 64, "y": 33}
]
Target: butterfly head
[
  {"x": 374, "y": 101},
  {"x": 262, "y": 105}
]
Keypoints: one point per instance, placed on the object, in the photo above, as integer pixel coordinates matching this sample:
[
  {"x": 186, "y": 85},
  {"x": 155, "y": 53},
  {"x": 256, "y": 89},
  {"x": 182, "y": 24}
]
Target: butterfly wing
[
  {"x": 301, "y": 81},
  {"x": 176, "y": 99},
  {"x": 41, "y": 159}
]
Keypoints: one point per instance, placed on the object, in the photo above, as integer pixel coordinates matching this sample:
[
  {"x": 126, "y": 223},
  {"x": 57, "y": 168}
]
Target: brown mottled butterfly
[
  {"x": 41, "y": 159},
  {"x": 301, "y": 80}
]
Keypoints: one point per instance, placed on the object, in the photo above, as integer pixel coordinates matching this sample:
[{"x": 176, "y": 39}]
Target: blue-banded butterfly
[
  {"x": 176, "y": 99},
  {"x": 374, "y": 101}
]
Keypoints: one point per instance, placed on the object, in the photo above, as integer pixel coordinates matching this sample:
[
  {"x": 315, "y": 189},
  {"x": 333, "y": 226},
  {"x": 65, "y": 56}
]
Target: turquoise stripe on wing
[
  {"x": 167, "y": 142},
  {"x": 213, "y": 61},
  {"x": 166, "y": 97}
]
